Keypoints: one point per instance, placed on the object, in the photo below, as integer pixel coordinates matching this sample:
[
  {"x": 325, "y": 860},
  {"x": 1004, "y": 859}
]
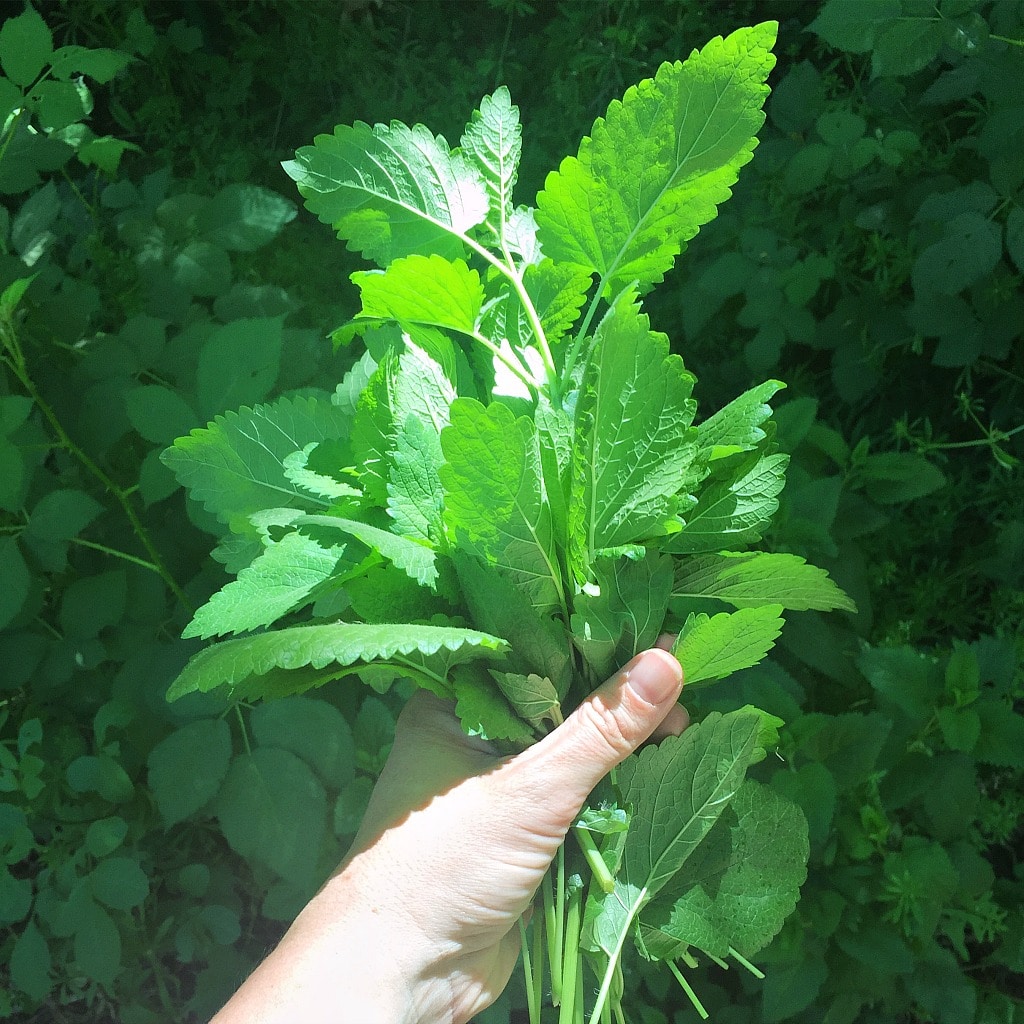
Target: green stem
[
  {"x": 114, "y": 553},
  {"x": 691, "y": 995},
  {"x": 571, "y": 960},
  {"x": 511, "y": 366},
  {"x": 554, "y": 946},
  {"x": 744, "y": 962},
  {"x": 17, "y": 364},
  {"x": 524, "y": 945},
  {"x": 243, "y": 729},
  {"x": 597, "y": 865},
  {"x": 538, "y": 963}
]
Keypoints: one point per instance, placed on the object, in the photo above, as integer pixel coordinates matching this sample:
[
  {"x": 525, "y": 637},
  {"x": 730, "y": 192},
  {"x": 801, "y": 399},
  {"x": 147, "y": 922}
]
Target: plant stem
[
  {"x": 15, "y": 361},
  {"x": 597, "y": 865},
  {"x": 554, "y": 945},
  {"x": 571, "y": 960},
  {"x": 533, "y": 1008},
  {"x": 691, "y": 995},
  {"x": 744, "y": 962}
]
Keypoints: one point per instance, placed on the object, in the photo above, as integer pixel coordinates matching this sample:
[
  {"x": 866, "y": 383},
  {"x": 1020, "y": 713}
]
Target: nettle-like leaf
[
  {"x": 714, "y": 647},
  {"x": 655, "y": 168},
  {"x": 633, "y": 442},
  {"x": 317, "y": 647},
  {"x": 391, "y": 190},
  {"x": 494, "y": 499}
]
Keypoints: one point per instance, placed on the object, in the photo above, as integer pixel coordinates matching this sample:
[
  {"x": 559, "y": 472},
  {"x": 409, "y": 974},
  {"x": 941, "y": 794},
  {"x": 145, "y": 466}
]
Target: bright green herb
[{"x": 508, "y": 497}]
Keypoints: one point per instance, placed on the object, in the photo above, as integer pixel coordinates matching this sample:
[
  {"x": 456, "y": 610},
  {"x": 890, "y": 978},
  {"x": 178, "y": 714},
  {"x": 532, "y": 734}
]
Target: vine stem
[{"x": 15, "y": 361}]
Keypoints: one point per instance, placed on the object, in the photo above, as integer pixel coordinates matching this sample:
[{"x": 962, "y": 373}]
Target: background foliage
[{"x": 154, "y": 273}]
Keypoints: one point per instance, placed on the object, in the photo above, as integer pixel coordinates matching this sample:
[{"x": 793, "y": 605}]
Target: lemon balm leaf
[
  {"x": 391, "y": 190},
  {"x": 658, "y": 164}
]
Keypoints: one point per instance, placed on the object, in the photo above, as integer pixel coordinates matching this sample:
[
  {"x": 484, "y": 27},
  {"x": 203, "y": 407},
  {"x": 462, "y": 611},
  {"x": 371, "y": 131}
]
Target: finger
[{"x": 567, "y": 764}]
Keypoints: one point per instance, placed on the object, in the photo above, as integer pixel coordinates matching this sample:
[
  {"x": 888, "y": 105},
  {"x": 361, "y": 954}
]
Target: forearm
[{"x": 341, "y": 963}]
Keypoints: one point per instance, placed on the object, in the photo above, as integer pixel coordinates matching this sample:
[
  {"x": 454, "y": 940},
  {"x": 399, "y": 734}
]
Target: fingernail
[{"x": 654, "y": 676}]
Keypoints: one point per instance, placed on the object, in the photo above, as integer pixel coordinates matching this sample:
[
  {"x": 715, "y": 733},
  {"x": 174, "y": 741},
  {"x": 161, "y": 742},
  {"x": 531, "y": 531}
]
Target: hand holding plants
[{"x": 420, "y": 922}]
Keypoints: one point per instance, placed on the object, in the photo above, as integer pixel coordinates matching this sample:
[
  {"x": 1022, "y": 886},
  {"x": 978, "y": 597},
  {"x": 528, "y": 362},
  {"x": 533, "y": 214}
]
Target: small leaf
[
  {"x": 713, "y": 648},
  {"x": 119, "y": 883},
  {"x": 311, "y": 729},
  {"x": 739, "y": 423},
  {"x": 239, "y": 363},
  {"x": 852, "y": 25},
  {"x": 17, "y": 580},
  {"x": 159, "y": 414},
  {"x": 243, "y": 218},
  {"x": 31, "y": 961},
  {"x": 493, "y": 140},
  {"x": 534, "y": 698}
]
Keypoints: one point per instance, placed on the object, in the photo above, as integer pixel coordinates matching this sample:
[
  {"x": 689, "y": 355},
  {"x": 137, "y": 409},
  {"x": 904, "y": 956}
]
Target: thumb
[{"x": 563, "y": 768}]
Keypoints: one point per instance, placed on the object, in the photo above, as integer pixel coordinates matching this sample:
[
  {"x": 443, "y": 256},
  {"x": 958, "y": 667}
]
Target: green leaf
[
  {"x": 740, "y": 884},
  {"x": 56, "y": 519},
  {"x": 738, "y": 424},
  {"x": 311, "y": 729},
  {"x": 26, "y": 46},
  {"x": 336, "y": 645},
  {"x": 894, "y": 477},
  {"x": 494, "y": 499},
  {"x": 734, "y": 506},
  {"x": 412, "y": 557},
  {"x": 278, "y": 581},
  {"x": 558, "y": 293},
  {"x": 483, "y": 709},
  {"x": 533, "y": 697},
  {"x": 658, "y": 164},
  {"x": 538, "y": 643},
  {"x": 852, "y": 25},
  {"x": 97, "y": 944},
  {"x": 187, "y": 767},
  {"x": 158, "y": 413},
  {"x": 31, "y": 963},
  {"x": 906, "y": 45},
  {"x": 243, "y": 218},
  {"x": 391, "y": 191},
  {"x": 1002, "y": 734},
  {"x": 633, "y": 443},
  {"x": 968, "y": 251},
  {"x": 320, "y": 469},
  {"x": 59, "y": 104},
  {"x": 678, "y": 789},
  {"x": 423, "y": 290},
  {"x": 754, "y": 579},
  {"x": 17, "y": 580},
  {"x": 202, "y": 269},
  {"x": 119, "y": 883},
  {"x": 623, "y": 613},
  {"x": 92, "y": 603},
  {"x": 713, "y": 648},
  {"x": 99, "y": 63},
  {"x": 239, "y": 363},
  {"x": 493, "y": 141},
  {"x": 412, "y": 387},
  {"x": 273, "y": 811},
  {"x": 235, "y": 465}
]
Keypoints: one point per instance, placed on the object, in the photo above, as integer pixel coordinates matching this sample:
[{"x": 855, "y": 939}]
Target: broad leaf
[
  {"x": 423, "y": 290},
  {"x": 277, "y": 582},
  {"x": 658, "y": 164},
  {"x": 734, "y": 506},
  {"x": 533, "y": 697},
  {"x": 633, "y": 443},
  {"x": 758, "y": 578},
  {"x": 715, "y": 647},
  {"x": 494, "y": 497},
  {"x": 317, "y": 647},
  {"x": 678, "y": 789},
  {"x": 739, "y": 885},
  {"x": 738, "y": 424},
  {"x": 236, "y": 465},
  {"x": 391, "y": 190}
]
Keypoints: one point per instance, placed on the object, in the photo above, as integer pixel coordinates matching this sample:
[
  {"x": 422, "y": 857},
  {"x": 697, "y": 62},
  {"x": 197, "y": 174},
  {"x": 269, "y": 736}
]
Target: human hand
[{"x": 420, "y": 922}]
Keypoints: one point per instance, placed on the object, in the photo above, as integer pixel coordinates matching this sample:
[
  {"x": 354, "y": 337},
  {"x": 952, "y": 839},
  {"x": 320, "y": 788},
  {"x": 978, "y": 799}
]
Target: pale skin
[{"x": 420, "y": 922}]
